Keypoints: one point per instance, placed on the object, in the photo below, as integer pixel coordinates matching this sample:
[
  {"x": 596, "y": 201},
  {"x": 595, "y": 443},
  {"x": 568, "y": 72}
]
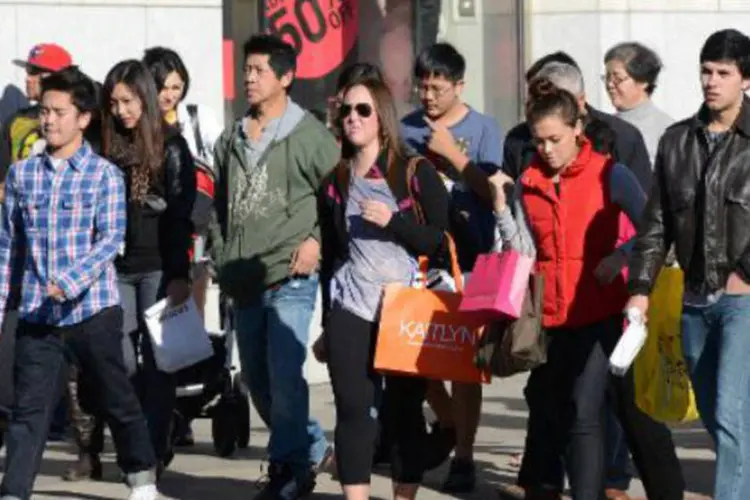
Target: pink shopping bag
[{"x": 498, "y": 284}]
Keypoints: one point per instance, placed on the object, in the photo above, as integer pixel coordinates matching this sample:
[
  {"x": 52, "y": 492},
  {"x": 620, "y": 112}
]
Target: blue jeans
[
  {"x": 272, "y": 337},
  {"x": 716, "y": 343}
]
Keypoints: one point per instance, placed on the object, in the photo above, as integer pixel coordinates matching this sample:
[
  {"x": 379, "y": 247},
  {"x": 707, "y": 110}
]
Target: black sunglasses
[{"x": 363, "y": 109}]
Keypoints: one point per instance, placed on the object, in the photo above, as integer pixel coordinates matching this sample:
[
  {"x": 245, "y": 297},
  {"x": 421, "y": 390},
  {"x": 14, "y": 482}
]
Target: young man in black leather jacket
[{"x": 700, "y": 202}]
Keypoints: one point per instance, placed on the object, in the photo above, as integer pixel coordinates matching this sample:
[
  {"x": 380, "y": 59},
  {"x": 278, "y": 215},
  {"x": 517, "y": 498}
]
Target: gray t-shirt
[
  {"x": 480, "y": 138},
  {"x": 651, "y": 122},
  {"x": 375, "y": 259}
]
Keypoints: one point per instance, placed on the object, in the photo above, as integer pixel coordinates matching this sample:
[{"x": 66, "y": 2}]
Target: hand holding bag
[{"x": 499, "y": 284}]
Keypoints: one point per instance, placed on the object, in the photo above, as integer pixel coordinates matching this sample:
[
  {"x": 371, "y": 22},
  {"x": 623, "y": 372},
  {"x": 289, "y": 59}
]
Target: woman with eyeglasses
[
  {"x": 154, "y": 262},
  {"x": 372, "y": 237},
  {"x": 632, "y": 72}
]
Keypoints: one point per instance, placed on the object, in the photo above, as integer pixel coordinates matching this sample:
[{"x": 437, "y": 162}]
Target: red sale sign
[{"x": 322, "y": 31}]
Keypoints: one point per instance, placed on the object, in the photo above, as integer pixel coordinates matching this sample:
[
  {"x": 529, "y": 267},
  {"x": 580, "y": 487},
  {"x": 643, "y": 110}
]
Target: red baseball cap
[{"x": 47, "y": 56}]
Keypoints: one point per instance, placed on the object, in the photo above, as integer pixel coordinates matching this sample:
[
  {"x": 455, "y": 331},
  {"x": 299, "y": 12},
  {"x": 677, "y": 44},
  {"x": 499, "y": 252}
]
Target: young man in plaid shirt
[{"x": 62, "y": 225}]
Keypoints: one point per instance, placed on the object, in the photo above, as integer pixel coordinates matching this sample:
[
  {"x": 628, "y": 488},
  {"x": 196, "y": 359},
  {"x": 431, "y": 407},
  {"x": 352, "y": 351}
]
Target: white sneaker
[{"x": 145, "y": 492}]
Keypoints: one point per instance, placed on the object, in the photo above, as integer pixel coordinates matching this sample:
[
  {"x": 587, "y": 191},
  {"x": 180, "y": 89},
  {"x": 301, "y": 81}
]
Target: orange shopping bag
[{"x": 423, "y": 333}]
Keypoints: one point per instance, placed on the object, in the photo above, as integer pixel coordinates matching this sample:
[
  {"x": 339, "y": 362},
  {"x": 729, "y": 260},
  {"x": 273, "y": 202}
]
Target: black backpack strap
[{"x": 192, "y": 110}]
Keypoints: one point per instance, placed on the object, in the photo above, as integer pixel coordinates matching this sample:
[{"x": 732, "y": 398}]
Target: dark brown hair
[
  {"x": 139, "y": 152},
  {"x": 545, "y": 99},
  {"x": 385, "y": 109}
]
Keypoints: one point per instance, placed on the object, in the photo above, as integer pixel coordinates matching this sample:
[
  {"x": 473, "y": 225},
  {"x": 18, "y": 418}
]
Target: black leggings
[
  {"x": 566, "y": 398},
  {"x": 350, "y": 344}
]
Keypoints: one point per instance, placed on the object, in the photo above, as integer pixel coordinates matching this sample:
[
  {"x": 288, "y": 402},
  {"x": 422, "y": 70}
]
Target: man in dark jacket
[{"x": 700, "y": 204}]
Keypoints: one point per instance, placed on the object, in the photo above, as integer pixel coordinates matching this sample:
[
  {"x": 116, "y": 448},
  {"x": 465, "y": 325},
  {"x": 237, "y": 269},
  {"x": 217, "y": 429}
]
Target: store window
[{"x": 331, "y": 34}]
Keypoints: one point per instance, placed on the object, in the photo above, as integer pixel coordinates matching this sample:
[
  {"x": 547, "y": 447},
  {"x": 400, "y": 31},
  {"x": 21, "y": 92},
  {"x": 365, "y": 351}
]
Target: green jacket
[{"x": 254, "y": 252}]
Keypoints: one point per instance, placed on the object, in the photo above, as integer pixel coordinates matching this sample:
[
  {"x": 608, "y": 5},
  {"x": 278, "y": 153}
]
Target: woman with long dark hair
[
  {"x": 154, "y": 263},
  {"x": 368, "y": 242}
]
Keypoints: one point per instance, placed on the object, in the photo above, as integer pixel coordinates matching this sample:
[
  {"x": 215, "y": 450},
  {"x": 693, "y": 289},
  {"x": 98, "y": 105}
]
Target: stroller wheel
[
  {"x": 223, "y": 429},
  {"x": 241, "y": 416}
]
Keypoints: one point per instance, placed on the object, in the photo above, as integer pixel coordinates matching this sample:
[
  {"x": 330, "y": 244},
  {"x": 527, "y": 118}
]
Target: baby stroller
[{"x": 213, "y": 388}]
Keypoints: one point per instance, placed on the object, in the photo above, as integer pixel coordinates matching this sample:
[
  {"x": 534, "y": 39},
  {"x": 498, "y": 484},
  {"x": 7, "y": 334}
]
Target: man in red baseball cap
[
  {"x": 43, "y": 59},
  {"x": 22, "y": 129},
  {"x": 47, "y": 56}
]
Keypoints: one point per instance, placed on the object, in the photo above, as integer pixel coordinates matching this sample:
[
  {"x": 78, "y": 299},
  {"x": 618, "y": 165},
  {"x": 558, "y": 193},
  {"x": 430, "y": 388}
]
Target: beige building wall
[{"x": 676, "y": 29}]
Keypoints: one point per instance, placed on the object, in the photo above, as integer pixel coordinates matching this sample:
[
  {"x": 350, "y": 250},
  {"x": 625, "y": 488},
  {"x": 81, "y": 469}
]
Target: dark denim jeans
[
  {"x": 156, "y": 389},
  {"x": 716, "y": 343},
  {"x": 42, "y": 356},
  {"x": 272, "y": 337},
  {"x": 617, "y": 453},
  {"x": 566, "y": 398},
  {"x": 566, "y": 401}
]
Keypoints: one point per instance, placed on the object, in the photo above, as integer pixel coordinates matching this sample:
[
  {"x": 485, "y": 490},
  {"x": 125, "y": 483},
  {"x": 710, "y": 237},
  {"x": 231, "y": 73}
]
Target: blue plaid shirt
[{"x": 64, "y": 226}]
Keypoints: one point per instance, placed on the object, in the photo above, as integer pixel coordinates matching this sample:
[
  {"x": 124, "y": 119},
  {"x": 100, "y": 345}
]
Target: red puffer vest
[{"x": 574, "y": 230}]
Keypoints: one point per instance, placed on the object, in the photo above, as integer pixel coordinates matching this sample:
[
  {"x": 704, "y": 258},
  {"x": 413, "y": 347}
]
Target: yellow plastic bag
[{"x": 662, "y": 384}]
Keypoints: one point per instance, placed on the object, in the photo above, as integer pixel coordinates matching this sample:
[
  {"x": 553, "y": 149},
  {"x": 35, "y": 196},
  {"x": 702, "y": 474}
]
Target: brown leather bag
[{"x": 520, "y": 345}]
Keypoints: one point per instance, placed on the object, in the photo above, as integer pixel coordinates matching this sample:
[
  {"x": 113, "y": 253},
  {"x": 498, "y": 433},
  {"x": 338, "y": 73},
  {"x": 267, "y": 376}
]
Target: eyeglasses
[
  {"x": 615, "y": 79},
  {"x": 438, "y": 92},
  {"x": 362, "y": 109}
]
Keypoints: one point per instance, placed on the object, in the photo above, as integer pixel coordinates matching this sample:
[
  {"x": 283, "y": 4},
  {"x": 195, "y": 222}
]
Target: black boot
[{"x": 89, "y": 435}]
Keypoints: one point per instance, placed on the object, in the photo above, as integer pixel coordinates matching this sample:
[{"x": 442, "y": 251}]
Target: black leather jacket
[
  {"x": 700, "y": 201},
  {"x": 177, "y": 224}
]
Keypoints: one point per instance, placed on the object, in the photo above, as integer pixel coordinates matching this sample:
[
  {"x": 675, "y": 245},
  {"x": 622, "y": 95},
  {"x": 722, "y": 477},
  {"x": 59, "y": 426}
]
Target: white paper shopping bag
[{"x": 178, "y": 335}]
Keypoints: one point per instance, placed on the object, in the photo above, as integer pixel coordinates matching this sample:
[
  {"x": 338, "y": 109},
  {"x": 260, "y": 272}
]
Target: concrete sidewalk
[{"x": 197, "y": 474}]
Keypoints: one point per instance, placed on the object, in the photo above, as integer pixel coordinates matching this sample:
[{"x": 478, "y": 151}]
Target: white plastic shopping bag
[
  {"x": 630, "y": 344},
  {"x": 178, "y": 335}
]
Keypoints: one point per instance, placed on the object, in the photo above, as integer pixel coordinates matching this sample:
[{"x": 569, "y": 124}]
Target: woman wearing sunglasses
[{"x": 372, "y": 237}]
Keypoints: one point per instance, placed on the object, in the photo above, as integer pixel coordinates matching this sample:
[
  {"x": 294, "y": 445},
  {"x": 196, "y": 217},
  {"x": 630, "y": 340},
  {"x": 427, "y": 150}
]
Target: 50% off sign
[{"x": 323, "y": 32}]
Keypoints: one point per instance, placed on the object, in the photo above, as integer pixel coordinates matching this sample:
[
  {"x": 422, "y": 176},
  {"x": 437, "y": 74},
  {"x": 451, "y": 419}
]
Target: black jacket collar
[{"x": 742, "y": 124}]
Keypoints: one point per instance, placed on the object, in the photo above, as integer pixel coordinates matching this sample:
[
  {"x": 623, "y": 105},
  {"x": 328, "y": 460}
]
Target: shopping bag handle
[
  {"x": 458, "y": 277},
  {"x": 424, "y": 263}
]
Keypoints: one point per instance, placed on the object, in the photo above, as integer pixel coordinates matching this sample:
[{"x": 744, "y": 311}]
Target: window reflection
[{"x": 391, "y": 34}]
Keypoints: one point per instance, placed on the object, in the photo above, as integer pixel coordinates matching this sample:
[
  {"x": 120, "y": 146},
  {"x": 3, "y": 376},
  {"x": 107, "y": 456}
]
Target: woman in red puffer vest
[{"x": 566, "y": 212}]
